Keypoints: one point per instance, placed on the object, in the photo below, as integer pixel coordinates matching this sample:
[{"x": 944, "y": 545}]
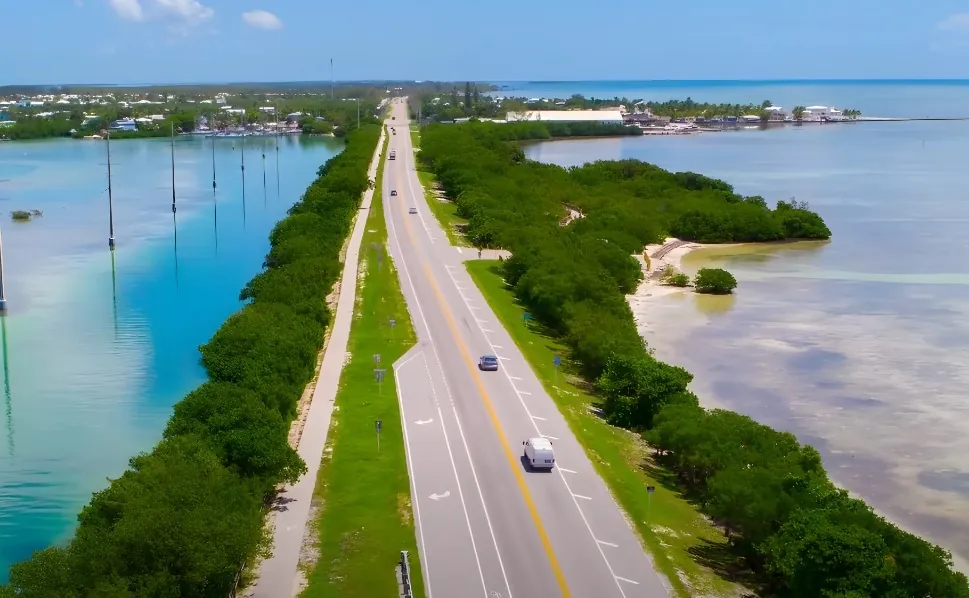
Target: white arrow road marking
[
  {"x": 627, "y": 580},
  {"x": 446, "y": 494},
  {"x": 421, "y": 422},
  {"x": 567, "y": 470}
]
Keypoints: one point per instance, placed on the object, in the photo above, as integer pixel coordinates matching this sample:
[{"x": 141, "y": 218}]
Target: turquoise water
[
  {"x": 96, "y": 348},
  {"x": 887, "y": 98},
  {"x": 859, "y": 346}
]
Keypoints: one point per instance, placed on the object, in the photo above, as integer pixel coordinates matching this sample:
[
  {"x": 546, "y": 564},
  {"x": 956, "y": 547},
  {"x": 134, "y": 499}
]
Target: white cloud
[
  {"x": 955, "y": 22},
  {"x": 262, "y": 19},
  {"x": 188, "y": 12},
  {"x": 129, "y": 10}
]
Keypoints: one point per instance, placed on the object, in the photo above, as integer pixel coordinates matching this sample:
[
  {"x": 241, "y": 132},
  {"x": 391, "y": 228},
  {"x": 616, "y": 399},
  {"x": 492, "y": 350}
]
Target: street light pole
[{"x": 3, "y": 297}]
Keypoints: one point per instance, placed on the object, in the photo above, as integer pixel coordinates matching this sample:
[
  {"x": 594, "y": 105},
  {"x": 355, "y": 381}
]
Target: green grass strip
[
  {"x": 676, "y": 534},
  {"x": 446, "y": 212},
  {"x": 365, "y": 517}
]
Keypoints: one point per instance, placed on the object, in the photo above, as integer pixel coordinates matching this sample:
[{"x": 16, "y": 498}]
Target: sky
[{"x": 194, "y": 41}]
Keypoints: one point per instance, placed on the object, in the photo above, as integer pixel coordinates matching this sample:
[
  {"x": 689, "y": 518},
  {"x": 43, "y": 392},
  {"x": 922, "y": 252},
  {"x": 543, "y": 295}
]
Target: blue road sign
[
  {"x": 557, "y": 361},
  {"x": 377, "y": 425},
  {"x": 527, "y": 316}
]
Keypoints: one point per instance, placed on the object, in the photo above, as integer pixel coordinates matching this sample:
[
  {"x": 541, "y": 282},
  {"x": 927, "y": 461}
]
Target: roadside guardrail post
[{"x": 403, "y": 576}]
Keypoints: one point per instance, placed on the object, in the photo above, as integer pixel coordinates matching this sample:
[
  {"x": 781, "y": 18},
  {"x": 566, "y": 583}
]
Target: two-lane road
[{"x": 487, "y": 526}]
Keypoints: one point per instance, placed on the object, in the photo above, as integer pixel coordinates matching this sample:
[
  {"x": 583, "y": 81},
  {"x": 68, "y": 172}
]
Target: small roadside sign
[
  {"x": 650, "y": 489},
  {"x": 379, "y": 374},
  {"x": 377, "y": 425},
  {"x": 557, "y": 360},
  {"x": 527, "y": 316},
  {"x": 393, "y": 322},
  {"x": 376, "y": 357}
]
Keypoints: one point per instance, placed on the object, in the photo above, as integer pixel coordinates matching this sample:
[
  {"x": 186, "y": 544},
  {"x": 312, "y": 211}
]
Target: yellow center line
[{"x": 513, "y": 461}]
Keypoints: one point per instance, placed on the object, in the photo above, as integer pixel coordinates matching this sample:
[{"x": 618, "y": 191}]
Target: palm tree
[{"x": 798, "y": 113}]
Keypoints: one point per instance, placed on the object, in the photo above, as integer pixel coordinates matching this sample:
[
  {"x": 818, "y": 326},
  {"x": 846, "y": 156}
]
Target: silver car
[{"x": 488, "y": 363}]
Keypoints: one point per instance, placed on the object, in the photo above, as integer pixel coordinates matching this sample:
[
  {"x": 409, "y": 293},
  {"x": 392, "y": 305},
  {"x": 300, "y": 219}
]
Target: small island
[{"x": 25, "y": 215}]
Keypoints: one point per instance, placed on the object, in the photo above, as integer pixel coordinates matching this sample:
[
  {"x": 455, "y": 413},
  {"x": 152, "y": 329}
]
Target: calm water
[
  {"x": 860, "y": 346},
  {"x": 96, "y": 349},
  {"x": 874, "y": 98}
]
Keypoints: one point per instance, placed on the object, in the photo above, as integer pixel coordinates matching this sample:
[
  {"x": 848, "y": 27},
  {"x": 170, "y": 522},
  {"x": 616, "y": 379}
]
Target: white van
[{"x": 538, "y": 452}]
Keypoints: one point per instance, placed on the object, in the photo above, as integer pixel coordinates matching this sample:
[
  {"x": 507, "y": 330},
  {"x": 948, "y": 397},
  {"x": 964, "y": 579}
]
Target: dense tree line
[
  {"x": 770, "y": 494},
  {"x": 184, "y": 517},
  {"x": 338, "y": 116}
]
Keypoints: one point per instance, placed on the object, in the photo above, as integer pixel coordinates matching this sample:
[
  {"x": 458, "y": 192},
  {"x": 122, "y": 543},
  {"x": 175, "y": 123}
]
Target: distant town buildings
[{"x": 567, "y": 116}]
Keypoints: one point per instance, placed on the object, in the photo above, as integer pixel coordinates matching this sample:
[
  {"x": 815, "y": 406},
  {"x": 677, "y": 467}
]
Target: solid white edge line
[
  {"x": 420, "y": 309},
  {"x": 413, "y": 479},
  {"x": 585, "y": 520}
]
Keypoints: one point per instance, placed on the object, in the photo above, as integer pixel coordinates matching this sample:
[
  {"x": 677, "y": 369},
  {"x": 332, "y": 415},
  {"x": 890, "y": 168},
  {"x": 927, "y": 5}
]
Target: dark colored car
[
  {"x": 488, "y": 363},
  {"x": 393, "y": 193}
]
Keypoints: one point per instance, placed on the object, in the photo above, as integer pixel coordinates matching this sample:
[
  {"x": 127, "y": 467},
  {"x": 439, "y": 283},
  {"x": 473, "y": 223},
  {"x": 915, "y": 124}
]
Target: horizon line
[{"x": 922, "y": 80}]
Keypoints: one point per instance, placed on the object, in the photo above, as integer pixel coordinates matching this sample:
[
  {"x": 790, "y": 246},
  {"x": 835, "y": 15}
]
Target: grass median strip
[
  {"x": 364, "y": 516},
  {"x": 676, "y": 534}
]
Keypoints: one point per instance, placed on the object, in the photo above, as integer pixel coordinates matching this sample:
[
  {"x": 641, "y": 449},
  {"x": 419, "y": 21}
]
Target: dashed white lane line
[
  {"x": 459, "y": 250},
  {"x": 504, "y": 358},
  {"x": 567, "y": 470},
  {"x": 575, "y": 497},
  {"x": 486, "y": 330},
  {"x": 549, "y": 437},
  {"x": 582, "y": 497},
  {"x": 610, "y": 544},
  {"x": 497, "y": 346},
  {"x": 522, "y": 392}
]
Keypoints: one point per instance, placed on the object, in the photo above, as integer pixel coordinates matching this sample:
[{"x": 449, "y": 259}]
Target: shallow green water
[{"x": 860, "y": 345}]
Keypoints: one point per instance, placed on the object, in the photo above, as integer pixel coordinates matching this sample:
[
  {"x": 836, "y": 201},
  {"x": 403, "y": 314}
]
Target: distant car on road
[
  {"x": 538, "y": 453},
  {"x": 488, "y": 363},
  {"x": 412, "y": 210},
  {"x": 393, "y": 193}
]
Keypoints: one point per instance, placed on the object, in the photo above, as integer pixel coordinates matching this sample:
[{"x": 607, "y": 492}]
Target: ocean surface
[
  {"x": 860, "y": 345},
  {"x": 899, "y": 99},
  {"x": 97, "y": 346}
]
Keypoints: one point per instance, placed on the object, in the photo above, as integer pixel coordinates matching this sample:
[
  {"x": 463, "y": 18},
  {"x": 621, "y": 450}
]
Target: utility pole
[
  {"x": 3, "y": 297},
  {"x": 331, "y": 78},
  {"x": 110, "y": 198},
  {"x": 358, "y": 113}
]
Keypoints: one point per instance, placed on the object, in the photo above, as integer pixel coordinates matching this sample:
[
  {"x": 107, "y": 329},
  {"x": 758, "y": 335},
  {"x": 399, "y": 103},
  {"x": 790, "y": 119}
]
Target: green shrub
[
  {"x": 764, "y": 488},
  {"x": 714, "y": 281}
]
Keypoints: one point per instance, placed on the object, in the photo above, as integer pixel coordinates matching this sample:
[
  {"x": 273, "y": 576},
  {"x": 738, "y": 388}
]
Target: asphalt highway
[{"x": 486, "y": 524}]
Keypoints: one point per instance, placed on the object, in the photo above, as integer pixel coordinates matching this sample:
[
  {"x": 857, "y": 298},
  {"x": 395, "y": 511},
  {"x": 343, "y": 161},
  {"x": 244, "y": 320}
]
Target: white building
[
  {"x": 776, "y": 114},
  {"x": 813, "y": 113},
  {"x": 821, "y": 113},
  {"x": 612, "y": 117}
]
